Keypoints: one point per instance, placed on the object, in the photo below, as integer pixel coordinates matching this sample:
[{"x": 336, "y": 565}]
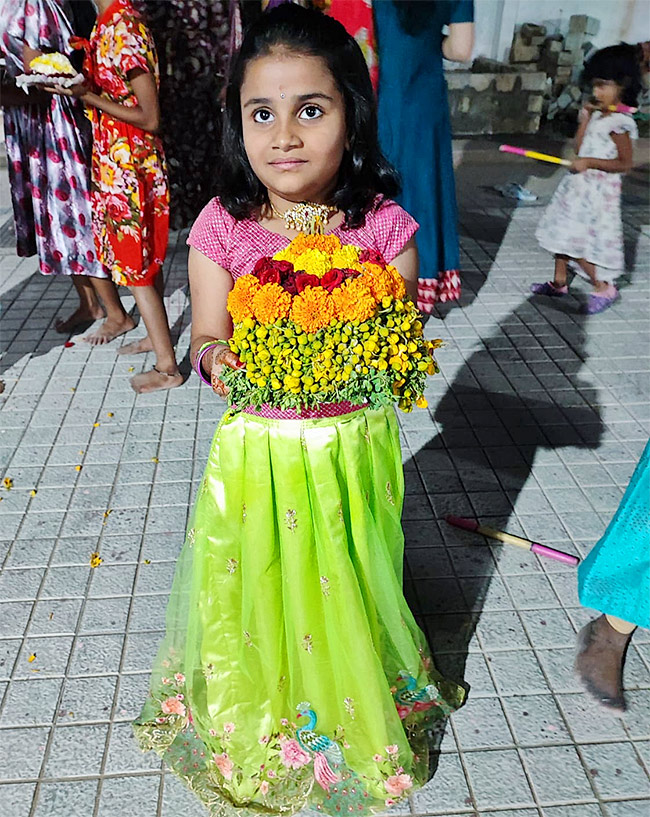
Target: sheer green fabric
[{"x": 292, "y": 673}]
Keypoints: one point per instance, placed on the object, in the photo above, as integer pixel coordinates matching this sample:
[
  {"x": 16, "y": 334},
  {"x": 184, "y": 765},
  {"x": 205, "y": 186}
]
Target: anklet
[{"x": 166, "y": 374}]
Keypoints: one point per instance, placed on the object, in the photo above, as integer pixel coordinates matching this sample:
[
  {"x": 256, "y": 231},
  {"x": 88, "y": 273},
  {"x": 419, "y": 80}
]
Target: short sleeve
[
  {"x": 392, "y": 227},
  {"x": 625, "y": 124},
  {"x": 211, "y": 233},
  {"x": 461, "y": 11},
  {"x": 132, "y": 45}
]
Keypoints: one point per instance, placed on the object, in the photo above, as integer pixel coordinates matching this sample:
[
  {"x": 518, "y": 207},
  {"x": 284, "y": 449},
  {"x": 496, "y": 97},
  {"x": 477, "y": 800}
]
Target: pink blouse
[{"x": 237, "y": 245}]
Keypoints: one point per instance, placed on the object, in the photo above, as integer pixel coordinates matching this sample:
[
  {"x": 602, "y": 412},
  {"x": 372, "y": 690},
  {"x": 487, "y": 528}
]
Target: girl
[
  {"x": 583, "y": 220},
  {"x": 130, "y": 196},
  {"x": 291, "y": 656},
  {"x": 49, "y": 144}
]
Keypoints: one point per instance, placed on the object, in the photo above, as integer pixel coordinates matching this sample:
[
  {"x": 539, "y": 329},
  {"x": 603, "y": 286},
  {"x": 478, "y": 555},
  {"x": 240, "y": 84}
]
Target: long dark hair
[
  {"x": 619, "y": 63},
  {"x": 364, "y": 171}
]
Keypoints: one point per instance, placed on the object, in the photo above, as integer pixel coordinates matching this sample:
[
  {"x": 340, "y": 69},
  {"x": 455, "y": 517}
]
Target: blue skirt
[{"x": 615, "y": 576}]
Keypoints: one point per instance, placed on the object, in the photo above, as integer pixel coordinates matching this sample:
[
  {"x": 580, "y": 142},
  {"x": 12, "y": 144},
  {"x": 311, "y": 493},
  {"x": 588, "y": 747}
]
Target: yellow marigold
[
  {"x": 313, "y": 262},
  {"x": 399, "y": 287},
  {"x": 240, "y": 298},
  {"x": 328, "y": 244},
  {"x": 346, "y": 258},
  {"x": 379, "y": 280},
  {"x": 271, "y": 303},
  {"x": 313, "y": 309},
  {"x": 354, "y": 301}
]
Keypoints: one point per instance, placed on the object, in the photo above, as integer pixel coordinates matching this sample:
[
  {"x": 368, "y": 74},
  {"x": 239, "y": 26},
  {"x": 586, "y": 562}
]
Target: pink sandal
[
  {"x": 549, "y": 288},
  {"x": 600, "y": 301}
]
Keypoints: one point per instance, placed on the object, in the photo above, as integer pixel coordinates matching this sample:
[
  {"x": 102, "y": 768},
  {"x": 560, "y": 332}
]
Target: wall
[{"x": 627, "y": 20}]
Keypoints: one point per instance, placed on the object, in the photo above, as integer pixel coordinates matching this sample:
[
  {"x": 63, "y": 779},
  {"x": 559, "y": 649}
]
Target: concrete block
[
  {"x": 564, "y": 100},
  {"x": 524, "y": 53},
  {"x": 464, "y": 105},
  {"x": 565, "y": 58},
  {"x": 535, "y": 103},
  {"x": 575, "y": 92},
  {"x": 553, "y": 46},
  {"x": 457, "y": 79},
  {"x": 583, "y": 24},
  {"x": 538, "y": 40},
  {"x": 534, "y": 82},
  {"x": 506, "y": 82},
  {"x": 574, "y": 41},
  {"x": 480, "y": 82},
  {"x": 530, "y": 30}
]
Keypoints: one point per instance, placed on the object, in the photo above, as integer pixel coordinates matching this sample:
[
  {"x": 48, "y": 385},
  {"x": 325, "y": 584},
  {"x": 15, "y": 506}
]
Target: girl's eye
[
  {"x": 311, "y": 112},
  {"x": 262, "y": 116}
]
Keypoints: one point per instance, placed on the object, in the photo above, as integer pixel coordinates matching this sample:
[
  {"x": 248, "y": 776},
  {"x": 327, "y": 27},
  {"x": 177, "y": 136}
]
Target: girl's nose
[{"x": 286, "y": 136}]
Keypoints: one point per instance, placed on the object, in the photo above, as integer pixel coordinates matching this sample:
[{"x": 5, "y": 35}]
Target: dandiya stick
[
  {"x": 510, "y": 539},
  {"x": 533, "y": 154},
  {"x": 620, "y": 108}
]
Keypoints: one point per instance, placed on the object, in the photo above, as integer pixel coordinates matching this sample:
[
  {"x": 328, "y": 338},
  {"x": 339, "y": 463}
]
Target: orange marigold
[
  {"x": 378, "y": 279},
  {"x": 399, "y": 287},
  {"x": 354, "y": 301},
  {"x": 313, "y": 309},
  {"x": 271, "y": 303},
  {"x": 240, "y": 297}
]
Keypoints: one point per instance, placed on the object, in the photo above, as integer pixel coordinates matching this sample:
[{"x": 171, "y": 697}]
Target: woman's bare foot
[
  {"x": 137, "y": 347},
  {"x": 81, "y": 317},
  {"x": 110, "y": 330},
  {"x": 599, "y": 662},
  {"x": 155, "y": 380}
]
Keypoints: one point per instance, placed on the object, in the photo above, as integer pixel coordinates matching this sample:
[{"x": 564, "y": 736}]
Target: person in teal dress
[
  {"x": 615, "y": 579},
  {"x": 415, "y": 128}
]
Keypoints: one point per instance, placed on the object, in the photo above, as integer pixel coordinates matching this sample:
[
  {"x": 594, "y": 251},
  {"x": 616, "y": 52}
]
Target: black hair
[
  {"x": 364, "y": 172},
  {"x": 619, "y": 63}
]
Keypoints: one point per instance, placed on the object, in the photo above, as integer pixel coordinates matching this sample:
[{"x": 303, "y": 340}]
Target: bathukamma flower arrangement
[{"x": 325, "y": 322}]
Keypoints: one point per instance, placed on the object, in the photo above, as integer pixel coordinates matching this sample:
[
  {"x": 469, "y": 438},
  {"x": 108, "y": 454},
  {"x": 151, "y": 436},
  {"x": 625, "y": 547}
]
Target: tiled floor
[{"x": 535, "y": 425}]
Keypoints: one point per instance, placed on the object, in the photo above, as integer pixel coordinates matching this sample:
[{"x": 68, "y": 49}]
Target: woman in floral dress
[
  {"x": 130, "y": 194},
  {"x": 48, "y": 150}
]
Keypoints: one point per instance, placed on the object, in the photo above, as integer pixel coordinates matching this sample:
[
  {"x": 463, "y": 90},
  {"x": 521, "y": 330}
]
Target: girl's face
[
  {"x": 607, "y": 92},
  {"x": 293, "y": 119}
]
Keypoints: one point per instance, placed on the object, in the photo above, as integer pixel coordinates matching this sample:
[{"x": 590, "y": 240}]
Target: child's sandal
[
  {"x": 549, "y": 288},
  {"x": 600, "y": 301}
]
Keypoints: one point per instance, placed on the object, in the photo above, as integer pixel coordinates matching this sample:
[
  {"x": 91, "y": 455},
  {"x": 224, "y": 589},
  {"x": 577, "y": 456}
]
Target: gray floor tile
[
  {"x": 129, "y": 796},
  {"x": 74, "y": 798}
]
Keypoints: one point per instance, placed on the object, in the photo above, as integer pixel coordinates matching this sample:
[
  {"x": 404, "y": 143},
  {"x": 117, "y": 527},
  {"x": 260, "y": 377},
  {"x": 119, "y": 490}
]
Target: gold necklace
[{"x": 306, "y": 217}]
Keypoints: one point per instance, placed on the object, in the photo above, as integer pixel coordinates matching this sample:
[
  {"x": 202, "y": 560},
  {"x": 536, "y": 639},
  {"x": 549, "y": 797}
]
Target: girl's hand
[
  {"x": 77, "y": 91},
  {"x": 222, "y": 356},
  {"x": 579, "y": 165},
  {"x": 585, "y": 112}
]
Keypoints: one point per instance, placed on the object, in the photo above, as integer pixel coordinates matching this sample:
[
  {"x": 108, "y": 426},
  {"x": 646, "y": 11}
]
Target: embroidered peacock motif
[
  {"x": 323, "y": 749},
  {"x": 410, "y": 698}
]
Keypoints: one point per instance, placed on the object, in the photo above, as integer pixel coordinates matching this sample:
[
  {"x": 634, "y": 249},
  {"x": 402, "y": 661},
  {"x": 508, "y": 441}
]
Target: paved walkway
[{"x": 535, "y": 425}]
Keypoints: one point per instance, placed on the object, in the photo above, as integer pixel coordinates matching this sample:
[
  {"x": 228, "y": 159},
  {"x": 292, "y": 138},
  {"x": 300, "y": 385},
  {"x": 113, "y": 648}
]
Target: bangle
[{"x": 210, "y": 344}]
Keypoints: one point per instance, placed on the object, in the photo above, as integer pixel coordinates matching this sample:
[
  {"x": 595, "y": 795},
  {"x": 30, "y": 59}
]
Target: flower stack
[{"x": 326, "y": 322}]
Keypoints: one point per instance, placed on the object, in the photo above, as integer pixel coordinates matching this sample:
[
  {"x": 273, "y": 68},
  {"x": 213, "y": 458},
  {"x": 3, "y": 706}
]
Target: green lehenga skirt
[{"x": 292, "y": 673}]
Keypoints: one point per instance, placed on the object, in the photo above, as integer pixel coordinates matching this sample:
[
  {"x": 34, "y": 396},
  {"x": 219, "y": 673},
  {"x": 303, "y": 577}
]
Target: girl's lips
[{"x": 287, "y": 164}]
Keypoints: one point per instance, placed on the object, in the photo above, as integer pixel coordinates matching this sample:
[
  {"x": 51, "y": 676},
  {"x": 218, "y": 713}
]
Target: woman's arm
[
  {"x": 145, "y": 115},
  {"x": 458, "y": 44},
  {"x": 622, "y": 164},
  {"x": 209, "y": 288},
  {"x": 407, "y": 264}
]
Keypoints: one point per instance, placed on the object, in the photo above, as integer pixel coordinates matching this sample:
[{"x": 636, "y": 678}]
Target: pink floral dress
[{"x": 583, "y": 219}]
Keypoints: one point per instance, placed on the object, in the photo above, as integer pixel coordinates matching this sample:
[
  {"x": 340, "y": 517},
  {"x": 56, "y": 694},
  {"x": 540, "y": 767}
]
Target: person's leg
[
  {"x": 558, "y": 286},
  {"x": 591, "y": 271},
  {"x": 601, "y": 654},
  {"x": 604, "y": 294},
  {"x": 165, "y": 374},
  {"x": 89, "y": 308},
  {"x": 144, "y": 344},
  {"x": 117, "y": 322}
]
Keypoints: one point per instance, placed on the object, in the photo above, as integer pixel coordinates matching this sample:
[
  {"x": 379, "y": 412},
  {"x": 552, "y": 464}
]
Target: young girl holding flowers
[
  {"x": 130, "y": 196},
  {"x": 293, "y": 673}
]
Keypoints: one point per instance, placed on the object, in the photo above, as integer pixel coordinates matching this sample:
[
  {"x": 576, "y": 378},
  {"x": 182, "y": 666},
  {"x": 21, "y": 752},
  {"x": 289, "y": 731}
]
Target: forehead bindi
[{"x": 282, "y": 76}]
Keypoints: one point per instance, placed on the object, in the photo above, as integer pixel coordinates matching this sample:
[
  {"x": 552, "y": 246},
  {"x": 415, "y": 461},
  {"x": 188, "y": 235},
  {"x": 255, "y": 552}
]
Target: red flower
[
  {"x": 53, "y": 156},
  {"x": 117, "y": 209},
  {"x": 304, "y": 280},
  {"x": 69, "y": 230},
  {"x": 63, "y": 143},
  {"x": 332, "y": 279},
  {"x": 62, "y": 195},
  {"x": 57, "y": 255},
  {"x": 284, "y": 267},
  {"x": 288, "y": 283},
  {"x": 261, "y": 264},
  {"x": 75, "y": 266},
  {"x": 269, "y": 275},
  {"x": 373, "y": 256}
]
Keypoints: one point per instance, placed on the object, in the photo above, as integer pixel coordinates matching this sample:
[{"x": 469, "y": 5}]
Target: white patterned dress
[{"x": 583, "y": 219}]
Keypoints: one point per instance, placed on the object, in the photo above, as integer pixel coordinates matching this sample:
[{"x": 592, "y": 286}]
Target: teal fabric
[{"x": 615, "y": 576}]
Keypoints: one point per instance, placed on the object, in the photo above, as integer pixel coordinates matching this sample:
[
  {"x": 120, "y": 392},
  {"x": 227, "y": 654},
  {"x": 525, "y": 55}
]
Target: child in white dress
[{"x": 583, "y": 221}]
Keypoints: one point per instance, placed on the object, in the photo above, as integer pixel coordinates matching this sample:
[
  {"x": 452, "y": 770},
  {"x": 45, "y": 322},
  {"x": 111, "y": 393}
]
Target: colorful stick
[
  {"x": 533, "y": 154},
  {"x": 510, "y": 539},
  {"x": 620, "y": 108}
]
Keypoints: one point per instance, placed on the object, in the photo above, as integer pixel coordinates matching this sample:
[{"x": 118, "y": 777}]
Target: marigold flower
[
  {"x": 379, "y": 280},
  {"x": 313, "y": 309},
  {"x": 240, "y": 298},
  {"x": 271, "y": 303},
  {"x": 313, "y": 262},
  {"x": 346, "y": 257},
  {"x": 354, "y": 301},
  {"x": 399, "y": 287}
]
